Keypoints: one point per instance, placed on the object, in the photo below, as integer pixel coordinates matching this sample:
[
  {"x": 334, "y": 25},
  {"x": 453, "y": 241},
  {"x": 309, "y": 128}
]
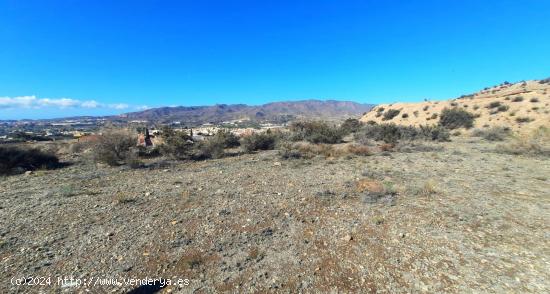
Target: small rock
[
  {"x": 277, "y": 163},
  {"x": 28, "y": 173},
  {"x": 347, "y": 238}
]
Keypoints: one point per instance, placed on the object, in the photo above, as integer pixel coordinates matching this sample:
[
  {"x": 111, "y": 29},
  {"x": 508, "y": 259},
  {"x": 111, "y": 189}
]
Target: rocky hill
[
  {"x": 519, "y": 106},
  {"x": 277, "y": 111}
]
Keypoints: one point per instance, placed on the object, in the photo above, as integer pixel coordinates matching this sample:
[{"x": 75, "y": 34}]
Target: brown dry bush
[{"x": 113, "y": 147}]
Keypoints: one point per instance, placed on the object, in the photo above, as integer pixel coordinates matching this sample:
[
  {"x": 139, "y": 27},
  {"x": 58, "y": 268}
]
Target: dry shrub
[
  {"x": 492, "y": 134},
  {"x": 357, "y": 149},
  {"x": 113, "y": 147},
  {"x": 536, "y": 143},
  {"x": 387, "y": 147},
  {"x": 307, "y": 150},
  {"x": 427, "y": 189},
  {"x": 369, "y": 185},
  {"x": 316, "y": 132},
  {"x": 259, "y": 141}
]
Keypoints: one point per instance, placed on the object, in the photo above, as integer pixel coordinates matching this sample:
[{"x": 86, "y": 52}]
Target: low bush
[
  {"x": 454, "y": 118},
  {"x": 523, "y": 119},
  {"x": 534, "y": 100},
  {"x": 390, "y": 114},
  {"x": 15, "y": 160},
  {"x": 113, "y": 146},
  {"x": 391, "y": 133},
  {"x": 494, "y": 104},
  {"x": 493, "y": 134},
  {"x": 316, "y": 132},
  {"x": 259, "y": 141},
  {"x": 404, "y": 115},
  {"x": 517, "y": 99}
]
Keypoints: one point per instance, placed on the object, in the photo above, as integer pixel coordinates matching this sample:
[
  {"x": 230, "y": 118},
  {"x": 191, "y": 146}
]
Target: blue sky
[{"x": 60, "y": 58}]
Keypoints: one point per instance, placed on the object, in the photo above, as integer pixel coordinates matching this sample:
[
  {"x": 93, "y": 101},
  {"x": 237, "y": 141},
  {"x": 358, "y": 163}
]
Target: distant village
[{"x": 74, "y": 129}]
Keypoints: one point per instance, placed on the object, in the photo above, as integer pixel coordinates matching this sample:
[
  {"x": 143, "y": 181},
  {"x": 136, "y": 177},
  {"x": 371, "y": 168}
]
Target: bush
[
  {"x": 178, "y": 145},
  {"x": 113, "y": 146},
  {"x": 534, "y": 100},
  {"x": 259, "y": 141},
  {"x": 207, "y": 149},
  {"x": 351, "y": 125},
  {"x": 517, "y": 99},
  {"x": 227, "y": 139},
  {"x": 15, "y": 160},
  {"x": 391, "y": 133},
  {"x": 390, "y": 114},
  {"x": 523, "y": 119},
  {"x": 316, "y": 132},
  {"x": 404, "y": 115},
  {"x": 456, "y": 118},
  {"x": 493, "y": 134},
  {"x": 503, "y": 108},
  {"x": 494, "y": 104}
]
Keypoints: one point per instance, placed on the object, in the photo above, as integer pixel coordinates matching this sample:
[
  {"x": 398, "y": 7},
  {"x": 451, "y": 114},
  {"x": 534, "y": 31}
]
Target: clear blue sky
[{"x": 115, "y": 56}]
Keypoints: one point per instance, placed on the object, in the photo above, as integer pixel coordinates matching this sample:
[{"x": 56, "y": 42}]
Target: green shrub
[
  {"x": 534, "y": 100},
  {"x": 15, "y": 160},
  {"x": 404, "y": 115},
  {"x": 456, "y": 118},
  {"x": 316, "y": 132},
  {"x": 259, "y": 141},
  {"x": 351, "y": 125},
  {"x": 390, "y": 114},
  {"x": 113, "y": 147}
]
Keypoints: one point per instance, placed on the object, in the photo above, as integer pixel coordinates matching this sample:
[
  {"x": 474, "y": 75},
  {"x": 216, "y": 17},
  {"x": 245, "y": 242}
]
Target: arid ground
[{"x": 438, "y": 217}]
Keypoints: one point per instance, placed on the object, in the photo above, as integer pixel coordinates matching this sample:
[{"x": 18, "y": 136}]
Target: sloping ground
[
  {"x": 463, "y": 219},
  {"x": 520, "y": 106}
]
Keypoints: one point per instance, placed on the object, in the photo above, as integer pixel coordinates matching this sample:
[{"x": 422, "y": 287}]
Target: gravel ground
[{"x": 458, "y": 219}]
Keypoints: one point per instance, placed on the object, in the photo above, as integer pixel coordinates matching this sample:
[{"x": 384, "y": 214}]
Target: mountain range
[{"x": 270, "y": 112}]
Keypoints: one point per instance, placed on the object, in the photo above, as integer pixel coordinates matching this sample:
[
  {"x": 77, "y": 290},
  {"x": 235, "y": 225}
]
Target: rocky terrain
[
  {"x": 440, "y": 217},
  {"x": 522, "y": 106}
]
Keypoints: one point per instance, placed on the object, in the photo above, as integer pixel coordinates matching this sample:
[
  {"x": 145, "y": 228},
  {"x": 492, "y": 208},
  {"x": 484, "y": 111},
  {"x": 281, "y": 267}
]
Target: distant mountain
[{"x": 271, "y": 112}]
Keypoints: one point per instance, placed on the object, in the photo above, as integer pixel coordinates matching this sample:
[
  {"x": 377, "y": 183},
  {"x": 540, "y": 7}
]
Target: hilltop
[{"x": 520, "y": 106}]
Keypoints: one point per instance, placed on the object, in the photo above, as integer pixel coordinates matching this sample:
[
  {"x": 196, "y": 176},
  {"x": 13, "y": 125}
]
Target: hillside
[
  {"x": 520, "y": 106},
  {"x": 277, "y": 111}
]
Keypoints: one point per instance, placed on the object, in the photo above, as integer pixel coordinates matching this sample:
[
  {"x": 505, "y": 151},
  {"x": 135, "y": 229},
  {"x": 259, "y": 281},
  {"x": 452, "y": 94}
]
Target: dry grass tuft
[{"x": 535, "y": 143}]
